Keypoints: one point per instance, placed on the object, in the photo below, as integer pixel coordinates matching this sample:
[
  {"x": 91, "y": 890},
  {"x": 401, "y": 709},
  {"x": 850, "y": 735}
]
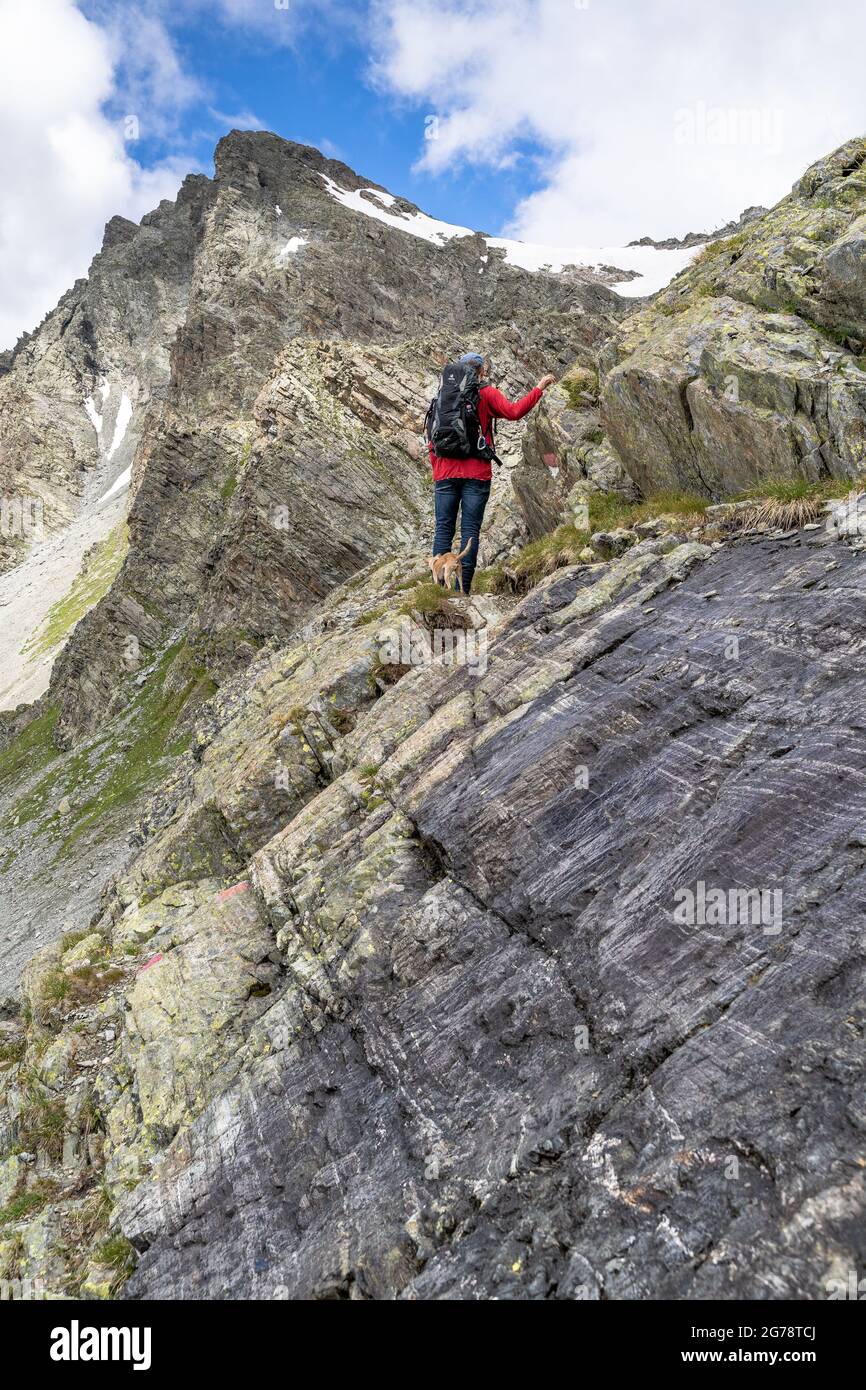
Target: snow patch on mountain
[
  {"x": 291, "y": 248},
  {"x": 119, "y": 484},
  {"x": 93, "y": 414},
  {"x": 121, "y": 424},
  {"x": 655, "y": 268},
  {"x": 416, "y": 223}
]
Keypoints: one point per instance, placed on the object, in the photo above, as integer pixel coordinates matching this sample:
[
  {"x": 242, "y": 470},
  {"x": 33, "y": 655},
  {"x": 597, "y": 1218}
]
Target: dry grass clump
[
  {"x": 553, "y": 551},
  {"x": 774, "y": 514}
]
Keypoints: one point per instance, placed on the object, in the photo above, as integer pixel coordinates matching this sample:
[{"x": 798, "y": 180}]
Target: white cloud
[
  {"x": 150, "y": 79},
  {"x": 278, "y": 23},
  {"x": 262, "y": 14},
  {"x": 64, "y": 167},
  {"x": 237, "y": 120},
  {"x": 642, "y": 109}
]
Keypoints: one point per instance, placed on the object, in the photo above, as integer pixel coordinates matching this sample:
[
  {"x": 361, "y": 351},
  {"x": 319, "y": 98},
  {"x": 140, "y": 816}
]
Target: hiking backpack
[{"x": 452, "y": 424}]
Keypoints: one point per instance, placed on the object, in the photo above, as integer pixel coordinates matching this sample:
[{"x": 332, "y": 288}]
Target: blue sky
[
  {"x": 562, "y": 122},
  {"x": 316, "y": 85}
]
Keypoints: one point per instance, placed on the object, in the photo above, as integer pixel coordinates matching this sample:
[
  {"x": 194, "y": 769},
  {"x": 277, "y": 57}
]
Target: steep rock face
[
  {"x": 283, "y": 261},
  {"x": 737, "y": 397},
  {"x": 748, "y": 366},
  {"x": 484, "y": 927},
  {"x": 422, "y": 920},
  {"x": 107, "y": 343},
  {"x": 329, "y": 484},
  {"x": 564, "y": 437},
  {"x": 381, "y": 985}
]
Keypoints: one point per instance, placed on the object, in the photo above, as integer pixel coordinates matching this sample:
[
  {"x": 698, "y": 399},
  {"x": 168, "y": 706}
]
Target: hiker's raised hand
[{"x": 546, "y": 381}]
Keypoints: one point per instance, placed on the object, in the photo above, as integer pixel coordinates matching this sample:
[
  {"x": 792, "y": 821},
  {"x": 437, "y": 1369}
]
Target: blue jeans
[{"x": 469, "y": 497}]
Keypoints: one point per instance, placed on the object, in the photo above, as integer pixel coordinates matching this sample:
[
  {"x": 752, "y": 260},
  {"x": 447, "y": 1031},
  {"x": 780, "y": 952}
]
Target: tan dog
[{"x": 445, "y": 567}]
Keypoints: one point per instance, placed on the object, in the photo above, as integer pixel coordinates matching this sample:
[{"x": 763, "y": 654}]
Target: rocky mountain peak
[
  {"x": 258, "y": 159},
  {"x": 118, "y": 230},
  {"x": 694, "y": 239},
  {"x": 554, "y": 880}
]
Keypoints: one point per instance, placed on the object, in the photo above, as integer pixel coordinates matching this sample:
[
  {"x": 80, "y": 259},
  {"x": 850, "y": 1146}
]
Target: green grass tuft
[
  {"x": 72, "y": 938},
  {"x": 30, "y": 750},
  {"x": 491, "y": 581},
  {"x": 426, "y": 599},
  {"x": 42, "y": 1123},
  {"x": 795, "y": 489},
  {"x": 27, "y": 1203},
  {"x": 154, "y": 712},
  {"x": 607, "y": 512},
  {"x": 12, "y": 1052},
  {"x": 548, "y": 553},
  {"x": 96, "y": 578},
  {"x": 580, "y": 381}
]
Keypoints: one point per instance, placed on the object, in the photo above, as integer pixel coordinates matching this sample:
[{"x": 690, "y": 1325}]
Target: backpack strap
[{"x": 487, "y": 452}]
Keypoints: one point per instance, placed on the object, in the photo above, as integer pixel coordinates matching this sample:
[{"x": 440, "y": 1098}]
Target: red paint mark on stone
[
  {"x": 148, "y": 963},
  {"x": 230, "y": 892},
  {"x": 551, "y": 460}
]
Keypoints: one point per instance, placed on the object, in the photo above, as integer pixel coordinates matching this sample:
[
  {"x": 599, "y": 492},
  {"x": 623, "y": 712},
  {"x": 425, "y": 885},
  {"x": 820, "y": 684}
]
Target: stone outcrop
[
  {"x": 400, "y": 946},
  {"x": 107, "y": 342},
  {"x": 455, "y": 895},
  {"x": 296, "y": 309},
  {"x": 672, "y": 243},
  {"x": 749, "y": 366}
]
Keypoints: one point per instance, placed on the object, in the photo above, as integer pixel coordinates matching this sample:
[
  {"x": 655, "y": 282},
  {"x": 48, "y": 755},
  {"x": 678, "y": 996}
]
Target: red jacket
[{"x": 492, "y": 405}]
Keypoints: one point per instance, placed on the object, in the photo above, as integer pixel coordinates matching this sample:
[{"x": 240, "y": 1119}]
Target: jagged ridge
[{"x": 387, "y": 1001}]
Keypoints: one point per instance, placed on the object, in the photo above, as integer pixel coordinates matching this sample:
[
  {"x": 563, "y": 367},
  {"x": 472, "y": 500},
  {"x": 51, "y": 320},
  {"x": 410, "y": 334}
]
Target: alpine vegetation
[{"x": 431, "y": 849}]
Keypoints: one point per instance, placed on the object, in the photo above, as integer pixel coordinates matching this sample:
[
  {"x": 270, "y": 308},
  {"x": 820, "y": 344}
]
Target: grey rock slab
[{"x": 514, "y": 1072}]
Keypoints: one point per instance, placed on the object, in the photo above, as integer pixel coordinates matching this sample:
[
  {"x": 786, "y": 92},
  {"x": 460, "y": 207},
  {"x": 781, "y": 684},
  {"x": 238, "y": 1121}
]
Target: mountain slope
[
  {"x": 207, "y": 466},
  {"x": 364, "y": 969},
  {"x": 466, "y": 1087},
  {"x": 252, "y": 409},
  {"x": 750, "y": 365}
]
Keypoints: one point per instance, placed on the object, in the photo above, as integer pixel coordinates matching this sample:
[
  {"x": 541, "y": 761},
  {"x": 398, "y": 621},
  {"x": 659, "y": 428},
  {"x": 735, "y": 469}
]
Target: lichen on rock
[{"x": 375, "y": 983}]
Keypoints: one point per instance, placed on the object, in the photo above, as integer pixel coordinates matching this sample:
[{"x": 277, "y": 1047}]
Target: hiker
[{"x": 459, "y": 429}]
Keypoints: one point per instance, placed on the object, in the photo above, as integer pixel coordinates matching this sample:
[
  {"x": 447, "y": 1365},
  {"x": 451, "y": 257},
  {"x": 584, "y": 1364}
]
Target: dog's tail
[{"x": 465, "y": 552}]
